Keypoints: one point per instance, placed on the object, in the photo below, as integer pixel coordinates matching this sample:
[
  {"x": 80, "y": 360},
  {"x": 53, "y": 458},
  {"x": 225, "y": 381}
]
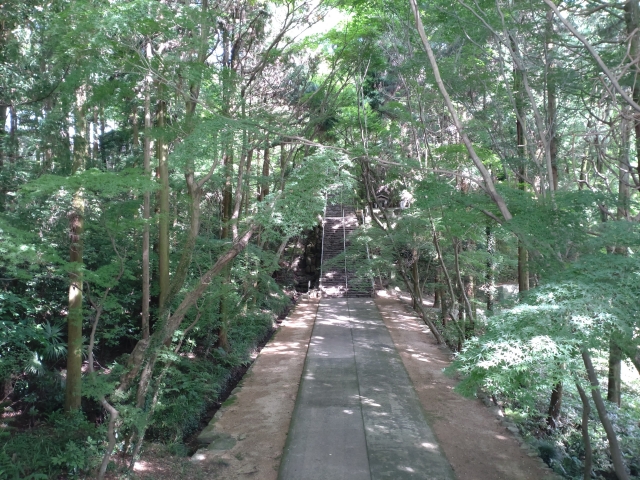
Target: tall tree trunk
[
  {"x": 103, "y": 128},
  {"x": 163, "y": 203},
  {"x": 624, "y": 199},
  {"x": 13, "y": 134},
  {"x": 96, "y": 145},
  {"x": 146, "y": 208},
  {"x": 555, "y": 402},
  {"x": 227, "y": 195},
  {"x": 615, "y": 371},
  {"x": 449, "y": 284},
  {"x": 415, "y": 278},
  {"x": 632, "y": 21},
  {"x": 552, "y": 102},
  {"x": 437, "y": 289},
  {"x": 614, "y": 446},
  {"x": 264, "y": 181},
  {"x": 490, "y": 277},
  {"x": 634, "y": 357},
  {"x": 521, "y": 148},
  {"x": 3, "y": 121},
  {"x": 246, "y": 192},
  {"x": 135, "y": 134},
  {"x": 523, "y": 267},
  {"x": 73, "y": 390},
  {"x": 588, "y": 451},
  {"x": 245, "y": 156},
  {"x": 486, "y": 176},
  {"x": 469, "y": 289},
  {"x": 227, "y": 212},
  {"x": 555, "y": 405},
  {"x": 465, "y": 299}
]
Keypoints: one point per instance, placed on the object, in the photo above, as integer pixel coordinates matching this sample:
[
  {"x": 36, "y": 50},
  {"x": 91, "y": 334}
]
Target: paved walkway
[{"x": 357, "y": 415}]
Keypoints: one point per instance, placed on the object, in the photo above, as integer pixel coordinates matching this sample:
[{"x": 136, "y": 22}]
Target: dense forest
[{"x": 164, "y": 166}]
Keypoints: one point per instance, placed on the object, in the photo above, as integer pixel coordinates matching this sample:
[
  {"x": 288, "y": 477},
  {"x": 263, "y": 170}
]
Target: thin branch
[
  {"x": 595, "y": 55},
  {"x": 113, "y": 413},
  {"x": 486, "y": 176}
]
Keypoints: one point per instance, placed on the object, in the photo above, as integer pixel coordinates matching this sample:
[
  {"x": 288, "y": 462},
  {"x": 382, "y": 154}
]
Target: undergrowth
[
  {"x": 562, "y": 448},
  {"x": 38, "y": 441},
  {"x": 63, "y": 444}
]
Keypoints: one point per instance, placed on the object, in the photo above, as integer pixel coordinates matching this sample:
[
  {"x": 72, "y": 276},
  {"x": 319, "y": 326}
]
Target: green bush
[{"x": 64, "y": 445}]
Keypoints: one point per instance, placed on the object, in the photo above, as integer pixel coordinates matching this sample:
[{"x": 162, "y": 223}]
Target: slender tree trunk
[
  {"x": 624, "y": 168},
  {"x": 463, "y": 292},
  {"x": 521, "y": 148},
  {"x": 163, "y": 240},
  {"x": 523, "y": 268},
  {"x": 632, "y": 21},
  {"x": 555, "y": 405},
  {"x": 264, "y": 190},
  {"x": 624, "y": 200},
  {"x": 443, "y": 267},
  {"x": 491, "y": 281},
  {"x": 588, "y": 451},
  {"x": 103, "y": 127},
  {"x": 552, "y": 102},
  {"x": 13, "y": 134},
  {"x": 73, "y": 389},
  {"x": 635, "y": 359},
  {"x": 3, "y": 121},
  {"x": 449, "y": 283},
  {"x": 415, "y": 278},
  {"x": 469, "y": 289},
  {"x": 437, "y": 290},
  {"x": 244, "y": 157},
  {"x": 135, "y": 135},
  {"x": 486, "y": 176},
  {"x": 246, "y": 192},
  {"x": 163, "y": 203},
  {"x": 227, "y": 195},
  {"x": 415, "y": 295},
  {"x": 96, "y": 145},
  {"x": 614, "y": 447},
  {"x": 146, "y": 208},
  {"x": 227, "y": 212},
  {"x": 615, "y": 372}
]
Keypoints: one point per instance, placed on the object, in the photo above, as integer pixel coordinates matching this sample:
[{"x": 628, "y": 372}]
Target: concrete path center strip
[{"x": 357, "y": 415}]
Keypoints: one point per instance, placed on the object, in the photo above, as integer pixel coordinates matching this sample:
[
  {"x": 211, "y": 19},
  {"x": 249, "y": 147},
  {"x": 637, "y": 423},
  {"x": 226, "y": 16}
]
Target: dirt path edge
[
  {"x": 247, "y": 435},
  {"x": 476, "y": 443}
]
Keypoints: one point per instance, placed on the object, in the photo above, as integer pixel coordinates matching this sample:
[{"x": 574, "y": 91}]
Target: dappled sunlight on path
[
  {"x": 471, "y": 436},
  {"x": 357, "y": 415},
  {"x": 371, "y": 403}
]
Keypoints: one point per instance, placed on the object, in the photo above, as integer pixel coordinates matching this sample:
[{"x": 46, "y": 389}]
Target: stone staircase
[{"x": 338, "y": 277}]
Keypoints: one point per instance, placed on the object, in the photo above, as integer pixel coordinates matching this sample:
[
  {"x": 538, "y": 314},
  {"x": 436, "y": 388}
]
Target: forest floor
[{"x": 248, "y": 434}]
